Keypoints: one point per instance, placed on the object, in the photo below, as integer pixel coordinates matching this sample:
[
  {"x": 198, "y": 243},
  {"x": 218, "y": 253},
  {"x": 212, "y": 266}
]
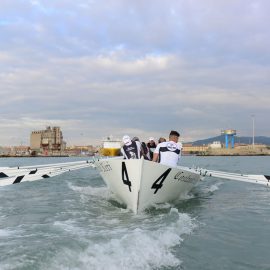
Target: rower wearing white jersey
[{"x": 168, "y": 153}]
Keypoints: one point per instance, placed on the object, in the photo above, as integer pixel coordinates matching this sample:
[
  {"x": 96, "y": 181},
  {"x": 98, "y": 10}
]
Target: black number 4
[
  {"x": 125, "y": 176},
  {"x": 158, "y": 185}
]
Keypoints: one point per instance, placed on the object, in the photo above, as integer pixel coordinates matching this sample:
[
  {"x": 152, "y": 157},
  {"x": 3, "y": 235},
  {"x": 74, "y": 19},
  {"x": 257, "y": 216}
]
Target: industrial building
[{"x": 47, "y": 142}]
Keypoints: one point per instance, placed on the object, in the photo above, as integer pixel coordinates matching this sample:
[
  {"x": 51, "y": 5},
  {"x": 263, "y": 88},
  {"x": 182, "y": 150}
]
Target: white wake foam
[
  {"x": 146, "y": 245},
  {"x": 89, "y": 190},
  {"x": 212, "y": 188}
]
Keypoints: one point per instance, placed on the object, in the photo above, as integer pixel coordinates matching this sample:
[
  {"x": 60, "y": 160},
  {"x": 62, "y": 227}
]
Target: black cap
[{"x": 174, "y": 133}]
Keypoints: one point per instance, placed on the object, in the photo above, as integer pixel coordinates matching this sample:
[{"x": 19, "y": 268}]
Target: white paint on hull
[{"x": 139, "y": 183}]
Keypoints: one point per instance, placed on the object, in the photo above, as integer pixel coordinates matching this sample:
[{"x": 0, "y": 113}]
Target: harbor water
[{"x": 71, "y": 221}]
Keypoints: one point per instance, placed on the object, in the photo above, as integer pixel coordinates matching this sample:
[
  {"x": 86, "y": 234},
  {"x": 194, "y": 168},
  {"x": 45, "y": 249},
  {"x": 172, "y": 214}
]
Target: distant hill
[{"x": 244, "y": 140}]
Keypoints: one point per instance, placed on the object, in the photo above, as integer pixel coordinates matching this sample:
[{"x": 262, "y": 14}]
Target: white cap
[
  {"x": 151, "y": 139},
  {"x": 126, "y": 140}
]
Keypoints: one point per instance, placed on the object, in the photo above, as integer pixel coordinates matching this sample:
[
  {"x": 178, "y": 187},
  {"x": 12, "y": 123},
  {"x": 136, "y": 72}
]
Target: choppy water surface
[{"x": 72, "y": 222}]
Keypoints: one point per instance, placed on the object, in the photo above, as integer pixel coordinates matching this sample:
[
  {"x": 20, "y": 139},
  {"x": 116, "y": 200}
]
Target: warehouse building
[{"x": 47, "y": 142}]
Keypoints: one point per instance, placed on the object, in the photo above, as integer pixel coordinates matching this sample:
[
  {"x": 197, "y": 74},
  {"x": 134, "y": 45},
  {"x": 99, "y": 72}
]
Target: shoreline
[
  {"x": 198, "y": 155},
  {"x": 7, "y": 156}
]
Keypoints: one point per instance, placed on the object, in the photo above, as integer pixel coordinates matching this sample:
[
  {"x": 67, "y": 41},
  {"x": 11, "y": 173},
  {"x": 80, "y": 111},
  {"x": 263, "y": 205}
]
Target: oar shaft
[
  {"x": 249, "y": 178},
  {"x": 63, "y": 164},
  {"x": 41, "y": 173},
  {"x": 7, "y": 172}
]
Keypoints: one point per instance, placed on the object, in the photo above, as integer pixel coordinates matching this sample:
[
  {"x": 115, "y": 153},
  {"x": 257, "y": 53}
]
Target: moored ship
[{"x": 111, "y": 147}]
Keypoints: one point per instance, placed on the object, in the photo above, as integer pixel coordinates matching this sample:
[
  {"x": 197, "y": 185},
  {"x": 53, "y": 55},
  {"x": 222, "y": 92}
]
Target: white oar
[
  {"x": 42, "y": 173},
  {"x": 12, "y": 171},
  {"x": 33, "y": 169},
  {"x": 249, "y": 178},
  {"x": 14, "y": 175}
]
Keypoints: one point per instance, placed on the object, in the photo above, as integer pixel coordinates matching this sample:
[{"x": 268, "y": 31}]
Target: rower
[
  {"x": 151, "y": 146},
  {"x": 161, "y": 139},
  {"x": 168, "y": 153},
  {"x": 131, "y": 149},
  {"x": 144, "y": 149}
]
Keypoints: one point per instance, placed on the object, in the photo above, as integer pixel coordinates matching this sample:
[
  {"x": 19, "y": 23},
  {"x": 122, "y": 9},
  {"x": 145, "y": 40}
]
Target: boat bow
[{"x": 139, "y": 183}]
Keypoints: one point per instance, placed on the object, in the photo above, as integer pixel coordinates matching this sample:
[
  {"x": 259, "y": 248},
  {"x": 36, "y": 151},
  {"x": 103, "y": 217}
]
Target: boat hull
[{"x": 139, "y": 183}]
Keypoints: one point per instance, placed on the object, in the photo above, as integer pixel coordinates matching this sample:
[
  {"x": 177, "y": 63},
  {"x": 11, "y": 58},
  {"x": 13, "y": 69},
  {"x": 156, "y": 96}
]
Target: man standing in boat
[
  {"x": 168, "y": 153},
  {"x": 131, "y": 149}
]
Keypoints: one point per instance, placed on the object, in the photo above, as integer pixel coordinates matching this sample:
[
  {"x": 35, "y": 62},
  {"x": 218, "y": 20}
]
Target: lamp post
[
  {"x": 253, "y": 129},
  {"x": 81, "y": 144}
]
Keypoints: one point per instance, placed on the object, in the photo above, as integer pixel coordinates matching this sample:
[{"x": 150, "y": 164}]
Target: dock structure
[{"x": 229, "y": 136}]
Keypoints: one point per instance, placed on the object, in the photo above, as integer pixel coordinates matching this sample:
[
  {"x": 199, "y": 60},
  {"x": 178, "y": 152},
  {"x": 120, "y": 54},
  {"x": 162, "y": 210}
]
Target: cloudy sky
[{"x": 137, "y": 67}]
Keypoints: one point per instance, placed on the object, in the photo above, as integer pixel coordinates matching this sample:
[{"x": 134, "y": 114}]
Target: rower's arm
[{"x": 155, "y": 157}]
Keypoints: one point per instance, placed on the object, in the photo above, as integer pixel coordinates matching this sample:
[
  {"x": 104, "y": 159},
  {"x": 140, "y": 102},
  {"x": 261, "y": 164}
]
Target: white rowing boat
[{"x": 138, "y": 183}]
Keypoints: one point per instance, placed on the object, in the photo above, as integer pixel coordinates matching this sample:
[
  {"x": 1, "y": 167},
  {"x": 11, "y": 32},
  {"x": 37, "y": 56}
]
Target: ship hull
[{"x": 110, "y": 152}]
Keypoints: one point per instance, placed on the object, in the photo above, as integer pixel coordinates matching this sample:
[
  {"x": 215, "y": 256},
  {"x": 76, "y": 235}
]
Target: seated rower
[
  {"x": 161, "y": 139},
  {"x": 144, "y": 149},
  {"x": 168, "y": 153},
  {"x": 131, "y": 149},
  {"x": 151, "y": 146}
]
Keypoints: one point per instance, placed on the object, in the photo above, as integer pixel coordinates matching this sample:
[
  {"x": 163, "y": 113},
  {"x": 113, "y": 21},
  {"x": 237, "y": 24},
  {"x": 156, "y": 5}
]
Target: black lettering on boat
[
  {"x": 107, "y": 167},
  {"x": 179, "y": 175},
  {"x": 125, "y": 177},
  {"x": 158, "y": 183},
  {"x": 188, "y": 178},
  {"x": 104, "y": 167}
]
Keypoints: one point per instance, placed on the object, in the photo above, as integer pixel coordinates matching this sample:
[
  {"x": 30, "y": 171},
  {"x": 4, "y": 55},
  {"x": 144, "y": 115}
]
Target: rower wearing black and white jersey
[
  {"x": 168, "y": 153},
  {"x": 144, "y": 149},
  {"x": 151, "y": 146},
  {"x": 131, "y": 149}
]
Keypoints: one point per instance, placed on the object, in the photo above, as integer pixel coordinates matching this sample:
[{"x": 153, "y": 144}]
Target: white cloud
[{"x": 141, "y": 67}]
